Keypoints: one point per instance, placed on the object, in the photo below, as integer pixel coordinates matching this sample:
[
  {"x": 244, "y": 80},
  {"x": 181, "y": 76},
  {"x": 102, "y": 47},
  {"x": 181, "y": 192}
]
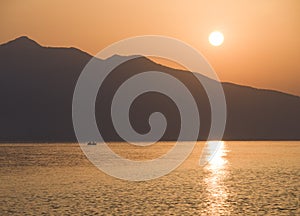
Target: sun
[{"x": 216, "y": 38}]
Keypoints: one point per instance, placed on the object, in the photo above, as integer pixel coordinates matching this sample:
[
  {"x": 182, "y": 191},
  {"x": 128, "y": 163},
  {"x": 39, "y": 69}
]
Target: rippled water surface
[{"x": 244, "y": 178}]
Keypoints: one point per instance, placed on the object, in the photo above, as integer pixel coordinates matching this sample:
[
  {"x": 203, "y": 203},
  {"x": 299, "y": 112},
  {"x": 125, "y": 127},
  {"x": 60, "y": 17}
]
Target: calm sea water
[{"x": 245, "y": 178}]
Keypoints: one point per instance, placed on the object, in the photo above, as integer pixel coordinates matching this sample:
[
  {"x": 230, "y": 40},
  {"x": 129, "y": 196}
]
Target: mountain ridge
[{"x": 37, "y": 85}]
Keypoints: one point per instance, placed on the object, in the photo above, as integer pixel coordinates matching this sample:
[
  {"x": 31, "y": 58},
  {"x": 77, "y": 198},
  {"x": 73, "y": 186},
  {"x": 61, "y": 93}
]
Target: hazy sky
[{"x": 261, "y": 46}]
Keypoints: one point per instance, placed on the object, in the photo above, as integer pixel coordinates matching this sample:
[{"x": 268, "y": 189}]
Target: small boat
[{"x": 91, "y": 143}]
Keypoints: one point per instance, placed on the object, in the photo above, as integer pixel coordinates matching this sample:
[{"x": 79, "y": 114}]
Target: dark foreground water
[{"x": 245, "y": 178}]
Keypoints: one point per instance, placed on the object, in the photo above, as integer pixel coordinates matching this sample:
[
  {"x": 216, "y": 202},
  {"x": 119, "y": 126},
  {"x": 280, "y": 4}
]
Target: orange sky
[{"x": 262, "y": 38}]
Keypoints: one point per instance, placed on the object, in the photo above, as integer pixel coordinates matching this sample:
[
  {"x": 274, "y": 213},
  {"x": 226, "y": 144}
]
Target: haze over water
[{"x": 244, "y": 178}]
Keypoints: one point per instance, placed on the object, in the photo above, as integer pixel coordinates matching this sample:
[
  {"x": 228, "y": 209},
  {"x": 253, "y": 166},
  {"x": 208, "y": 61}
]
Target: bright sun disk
[{"x": 216, "y": 38}]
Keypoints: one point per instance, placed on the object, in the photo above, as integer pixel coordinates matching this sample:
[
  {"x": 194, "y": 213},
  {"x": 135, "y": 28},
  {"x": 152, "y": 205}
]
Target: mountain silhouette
[{"x": 37, "y": 85}]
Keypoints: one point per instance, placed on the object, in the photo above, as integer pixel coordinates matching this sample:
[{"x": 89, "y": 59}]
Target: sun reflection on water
[{"x": 216, "y": 172}]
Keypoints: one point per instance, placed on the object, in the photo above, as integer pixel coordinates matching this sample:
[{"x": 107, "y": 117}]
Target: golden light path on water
[{"x": 215, "y": 187}]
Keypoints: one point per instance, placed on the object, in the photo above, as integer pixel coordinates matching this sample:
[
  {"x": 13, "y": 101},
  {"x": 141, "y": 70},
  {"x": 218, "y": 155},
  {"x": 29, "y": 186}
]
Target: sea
[{"x": 243, "y": 178}]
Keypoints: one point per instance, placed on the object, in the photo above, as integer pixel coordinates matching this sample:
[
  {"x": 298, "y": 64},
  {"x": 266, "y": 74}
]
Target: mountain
[{"x": 37, "y": 85}]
